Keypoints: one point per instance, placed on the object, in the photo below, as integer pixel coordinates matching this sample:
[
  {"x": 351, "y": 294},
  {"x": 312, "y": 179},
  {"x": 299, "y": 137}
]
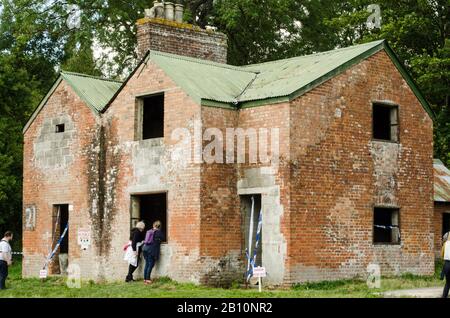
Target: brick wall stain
[{"x": 101, "y": 180}]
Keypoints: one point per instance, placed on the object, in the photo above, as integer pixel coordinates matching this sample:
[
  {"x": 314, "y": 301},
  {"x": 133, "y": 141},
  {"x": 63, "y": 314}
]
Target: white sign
[
  {"x": 84, "y": 238},
  {"x": 43, "y": 274},
  {"x": 259, "y": 272}
]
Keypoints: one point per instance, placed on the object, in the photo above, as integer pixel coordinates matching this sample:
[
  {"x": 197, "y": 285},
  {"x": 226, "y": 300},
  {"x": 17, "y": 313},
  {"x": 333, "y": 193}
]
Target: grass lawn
[{"x": 164, "y": 287}]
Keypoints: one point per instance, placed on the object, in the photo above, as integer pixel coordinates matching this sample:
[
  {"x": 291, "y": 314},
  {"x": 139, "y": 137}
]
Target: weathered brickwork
[
  {"x": 57, "y": 171},
  {"x": 317, "y": 201},
  {"x": 439, "y": 209},
  {"x": 338, "y": 175},
  {"x": 220, "y": 237},
  {"x": 182, "y": 39},
  {"x": 138, "y": 174},
  {"x": 272, "y": 181}
]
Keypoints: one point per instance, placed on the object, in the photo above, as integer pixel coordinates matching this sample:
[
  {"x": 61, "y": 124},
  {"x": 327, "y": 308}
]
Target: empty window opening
[
  {"x": 385, "y": 122},
  {"x": 445, "y": 223},
  {"x": 152, "y": 117},
  {"x": 386, "y": 226},
  {"x": 60, "y": 221},
  {"x": 60, "y": 128},
  {"x": 150, "y": 208},
  {"x": 250, "y": 225}
]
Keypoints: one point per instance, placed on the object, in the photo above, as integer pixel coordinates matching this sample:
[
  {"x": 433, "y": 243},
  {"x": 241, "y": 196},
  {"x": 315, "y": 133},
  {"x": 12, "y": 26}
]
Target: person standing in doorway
[
  {"x": 446, "y": 268},
  {"x": 5, "y": 258},
  {"x": 136, "y": 238},
  {"x": 152, "y": 246}
]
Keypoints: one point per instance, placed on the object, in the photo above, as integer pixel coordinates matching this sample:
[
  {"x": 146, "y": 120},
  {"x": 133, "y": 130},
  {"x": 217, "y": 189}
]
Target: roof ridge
[
  {"x": 205, "y": 62},
  {"x": 313, "y": 54},
  {"x": 90, "y": 76}
]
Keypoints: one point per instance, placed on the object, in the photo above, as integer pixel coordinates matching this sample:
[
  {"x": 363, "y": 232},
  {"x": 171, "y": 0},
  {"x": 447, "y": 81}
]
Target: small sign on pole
[{"x": 259, "y": 272}]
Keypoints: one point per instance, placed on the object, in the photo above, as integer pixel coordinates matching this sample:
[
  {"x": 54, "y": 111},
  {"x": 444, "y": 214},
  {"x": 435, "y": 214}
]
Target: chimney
[{"x": 162, "y": 29}]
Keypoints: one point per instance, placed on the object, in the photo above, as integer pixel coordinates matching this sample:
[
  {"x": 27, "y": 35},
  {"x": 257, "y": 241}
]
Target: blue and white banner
[
  {"x": 252, "y": 260},
  {"x": 52, "y": 254}
]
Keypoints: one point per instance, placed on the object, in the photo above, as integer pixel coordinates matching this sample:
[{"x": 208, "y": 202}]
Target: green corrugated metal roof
[
  {"x": 96, "y": 92},
  {"x": 441, "y": 182},
  {"x": 285, "y": 77},
  {"x": 205, "y": 80},
  {"x": 222, "y": 85}
]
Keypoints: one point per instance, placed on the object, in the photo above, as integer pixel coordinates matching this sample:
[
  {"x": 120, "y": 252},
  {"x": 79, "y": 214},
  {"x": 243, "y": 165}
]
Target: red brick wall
[
  {"x": 220, "y": 235},
  {"x": 182, "y": 39},
  {"x": 221, "y": 228},
  {"x": 339, "y": 174},
  {"x": 273, "y": 182},
  {"x": 51, "y": 178},
  {"x": 439, "y": 210},
  {"x": 147, "y": 167},
  {"x": 318, "y": 201}
]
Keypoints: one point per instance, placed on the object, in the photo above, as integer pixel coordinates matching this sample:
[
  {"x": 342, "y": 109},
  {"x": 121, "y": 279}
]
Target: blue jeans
[{"x": 149, "y": 264}]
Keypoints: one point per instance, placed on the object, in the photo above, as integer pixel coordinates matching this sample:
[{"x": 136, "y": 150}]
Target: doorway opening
[
  {"x": 60, "y": 221},
  {"x": 249, "y": 223},
  {"x": 150, "y": 208}
]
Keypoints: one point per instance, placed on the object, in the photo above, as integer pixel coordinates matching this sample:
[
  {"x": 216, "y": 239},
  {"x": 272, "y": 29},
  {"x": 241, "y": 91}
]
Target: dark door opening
[
  {"x": 150, "y": 208},
  {"x": 445, "y": 223},
  {"x": 60, "y": 221},
  {"x": 248, "y": 225}
]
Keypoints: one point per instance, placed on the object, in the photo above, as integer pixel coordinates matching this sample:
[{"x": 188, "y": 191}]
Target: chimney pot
[
  {"x": 169, "y": 11},
  {"x": 157, "y": 11},
  {"x": 162, "y": 34},
  {"x": 179, "y": 10}
]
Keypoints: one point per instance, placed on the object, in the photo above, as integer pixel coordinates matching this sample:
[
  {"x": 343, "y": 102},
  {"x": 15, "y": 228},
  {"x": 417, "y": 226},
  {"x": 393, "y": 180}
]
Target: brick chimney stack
[{"x": 163, "y": 30}]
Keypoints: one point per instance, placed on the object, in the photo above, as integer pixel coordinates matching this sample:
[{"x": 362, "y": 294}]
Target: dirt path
[{"x": 433, "y": 292}]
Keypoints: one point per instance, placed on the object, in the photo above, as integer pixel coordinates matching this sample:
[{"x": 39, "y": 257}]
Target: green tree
[
  {"x": 418, "y": 31},
  {"x": 23, "y": 81}
]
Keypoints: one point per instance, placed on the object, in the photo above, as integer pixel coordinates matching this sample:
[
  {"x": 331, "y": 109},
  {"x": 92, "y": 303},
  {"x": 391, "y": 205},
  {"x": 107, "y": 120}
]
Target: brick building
[
  {"x": 350, "y": 183},
  {"x": 441, "y": 204}
]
